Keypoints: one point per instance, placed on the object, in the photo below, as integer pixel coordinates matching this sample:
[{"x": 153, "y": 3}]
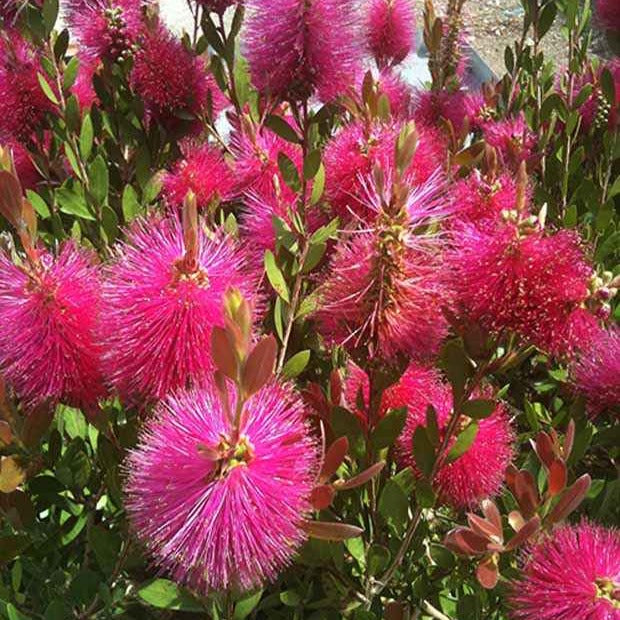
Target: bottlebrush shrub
[{"x": 284, "y": 335}]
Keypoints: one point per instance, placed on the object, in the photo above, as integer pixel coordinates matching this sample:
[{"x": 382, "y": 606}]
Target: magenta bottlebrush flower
[
  {"x": 432, "y": 107},
  {"x": 160, "y": 311},
  {"x": 572, "y": 574},
  {"x": 83, "y": 87},
  {"x": 49, "y": 316},
  {"x": 512, "y": 139},
  {"x": 477, "y": 474},
  {"x": 23, "y": 104},
  {"x": 202, "y": 171},
  {"x": 390, "y": 30},
  {"x": 171, "y": 80},
  {"x": 398, "y": 92},
  {"x": 597, "y": 371},
  {"x": 106, "y": 29},
  {"x": 218, "y": 511},
  {"x": 296, "y": 48},
  {"x": 26, "y": 171},
  {"x": 608, "y": 14},
  {"x": 352, "y": 153},
  {"x": 216, "y": 6},
  {"x": 511, "y": 281}
]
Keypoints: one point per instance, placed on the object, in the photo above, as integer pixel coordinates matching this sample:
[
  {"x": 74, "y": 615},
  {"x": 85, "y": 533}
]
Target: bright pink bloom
[
  {"x": 171, "y": 80},
  {"x": 203, "y": 171},
  {"x": 512, "y": 139},
  {"x": 160, "y": 314},
  {"x": 608, "y": 14},
  {"x": 295, "y": 48},
  {"x": 528, "y": 284},
  {"x": 390, "y": 30},
  {"x": 573, "y": 574},
  {"x": 106, "y": 29},
  {"x": 218, "y": 512},
  {"x": 477, "y": 474},
  {"x": 352, "y": 153},
  {"x": 83, "y": 87},
  {"x": 23, "y": 103},
  {"x": 433, "y": 107},
  {"x": 49, "y": 318},
  {"x": 597, "y": 371}
]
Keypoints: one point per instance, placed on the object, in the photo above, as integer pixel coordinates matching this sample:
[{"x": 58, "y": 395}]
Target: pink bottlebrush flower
[
  {"x": 160, "y": 311},
  {"x": 296, "y": 48},
  {"x": 478, "y": 200},
  {"x": 383, "y": 290},
  {"x": 171, "y": 80},
  {"x": 26, "y": 171},
  {"x": 23, "y": 103},
  {"x": 49, "y": 318},
  {"x": 597, "y": 371},
  {"x": 83, "y": 87},
  {"x": 512, "y": 281},
  {"x": 352, "y": 153},
  {"x": 390, "y": 30},
  {"x": 432, "y": 107},
  {"x": 398, "y": 92},
  {"x": 106, "y": 29},
  {"x": 215, "y": 511},
  {"x": 202, "y": 171},
  {"x": 216, "y": 6},
  {"x": 607, "y": 13},
  {"x": 477, "y": 474},
  {"x": 512, "y": 139},
  {"x": 572, "y": 574}
]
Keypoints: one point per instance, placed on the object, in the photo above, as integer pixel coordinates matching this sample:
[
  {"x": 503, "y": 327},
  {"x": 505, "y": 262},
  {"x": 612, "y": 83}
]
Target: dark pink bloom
[
  {"x": 23, "y": 103},
  {"x": 26, "y": 171},
  {"x": 390, "y": 30},
  {"x": 217, "y": 511},
  {"x": 160, "y": 313},
  {"x": 216, "y": 6},
  {"x": 512, "y": 139},
  {"x": 106, "y": 29},
  {"x": 398, "y": 92},
  {"x": 83, "y": 87},
  {"x": 526, "y": 283},
  {"x": 432, "y": 107},
  {"x": 202, "y": 171},
  {"x": 572, "y": 574},
  {"x": 296, "y": 48},
  {"x": 607, "y": 14},
  {"x": 597, "y": 371},
  {"x": 171, "y": 81},
  {"x": 49, "y": 317}
]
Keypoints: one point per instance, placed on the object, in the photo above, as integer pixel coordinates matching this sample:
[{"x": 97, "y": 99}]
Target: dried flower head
[
  {"x": 390, "y": 30},
  {"x": 219, "y": 509},
  {"x": 296, "y": 48},
  {"x": 572, "y": 574}
]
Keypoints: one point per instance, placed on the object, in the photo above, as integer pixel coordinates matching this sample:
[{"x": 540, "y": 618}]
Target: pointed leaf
[
  {"x": 334, "y": 457},
  {"x": 275, "y": 276},
  {"x": 570, "y": 499},
  {"x": 491, "y": 512},
  {"x": 259, "y": 366},
  {"x": 463, "y": 442},
  {"x": 321, "y": 496},
  {"x": 525, "y": 531},
  {"x": 558, "y": 475},
  {"x": 487, "y": 573},
  {"x": 296, "y": 364},
  {"x": 360, "y": 479},
  {"x": 326, "y": 530},
  {"x": 423, "y": 451},
  {"x": 389, "y": 428},
  {"x": 479, "y": 408},
  {"x": 223, "y": 353}
]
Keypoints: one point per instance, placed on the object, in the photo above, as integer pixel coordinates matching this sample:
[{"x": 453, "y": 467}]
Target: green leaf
[
  {"x": 99, "y": 179},
  {"x": 296, "y": 365},
  {"x": 456, "y": 366},
  {"x": 70, "y": 73},
  {"x": 312, "y": 163},
  {"x": 389, "y": 428},
  {"x": 165, "y": 594},
  {"x": 463, "y": 442},
  {"x": 275, "y": 276},
  {"x": 393, "y": 505},
  {"x": 11, "y": 547},
  {"x": 72, "y": 157},
  {"x": 289, "y": 171},
  {"x": 109, "y": 221},
  {"x": 131, "y": 206},
  {"x": 478, "y": 408},
  {"x": 324, "y": 233},
  {"x": 547, "y": 16},
  {"x": 86, "y": 137},
  {"x": 279, "y": 126},
  {"x": 318, "y": 185},
  {"x": 246, "y": 605},
  {"x": 105, "y": 545},
  {"x": 40, "y": 206},
  {"x": 72, "y": 203},
  {"x": 609, "y": 246},
  {"x": 346, "y": 424},
  {"x": 432, "y": 425},
  {"x": 74, "y": 467},
  {"x": 314, "y": 256},
  {"x": 50, "y": 14},
  {"x": 290, "y": 598},
  {"x": 423, "y": 451},
  {"x": 47, "y": 89},
  {"x": 151, "y": 189},
  {"x": 14, "y": 614},
  {"x": 378, "y": 559}
]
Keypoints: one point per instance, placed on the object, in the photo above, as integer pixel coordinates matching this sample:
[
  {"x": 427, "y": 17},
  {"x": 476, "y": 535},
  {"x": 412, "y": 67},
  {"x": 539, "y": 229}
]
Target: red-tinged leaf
[
  {"x": 570, "y": 499},
  {"x": 223, "y": 353},
  {"x": 516, "y": 520},
  {"x": 544, "y": 448},
  {"x": 334, "y": 458},
  {"x": 6, "y": 434},
  {"x": 222, "y": 388},
  {"x": 322, "y": 496},
  {"x": 524, "y": 533},
  {"x": 487, "y": 573},
  {"x": 314, "y": 397},
  {"x": 569, "y": 440},
  {"x": 483, "y": 527},
  {"x": 29, "y": 216},
  {"x": 36, "y": 424},
  {"x": 259, "y": 366},
  {"x": 491, "y": 512},
  {"x": 335, "y": 387},
  {"x": 10, "y": 198},
  {"x": 511, "y": 476},
  {"x": 360, "y": 479},
  {"x": 526, "y": 493},
  {"x": 463, "y": 541},
  {"x": 558, "y": 475},
  {"x": 328, "y": 530}
]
